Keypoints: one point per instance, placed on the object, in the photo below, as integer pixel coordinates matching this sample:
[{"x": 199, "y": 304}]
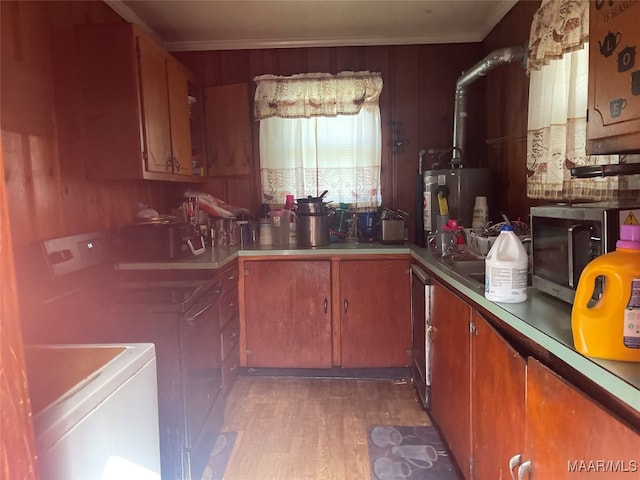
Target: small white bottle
[
  {"x": 480, "y": 219},
  {"x": 506, "y": 269},
  {"x": 264, "y": 234}
]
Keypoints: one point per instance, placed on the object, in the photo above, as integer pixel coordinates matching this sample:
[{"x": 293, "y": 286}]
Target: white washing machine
[{"x": 95, "y": 411}]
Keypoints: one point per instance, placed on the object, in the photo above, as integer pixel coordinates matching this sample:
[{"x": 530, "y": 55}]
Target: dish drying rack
[{"x": 480, "y": 241}]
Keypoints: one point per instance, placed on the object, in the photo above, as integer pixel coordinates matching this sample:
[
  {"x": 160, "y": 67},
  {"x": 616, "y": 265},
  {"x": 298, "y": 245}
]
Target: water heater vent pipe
[{"x": 480, "y": 69}]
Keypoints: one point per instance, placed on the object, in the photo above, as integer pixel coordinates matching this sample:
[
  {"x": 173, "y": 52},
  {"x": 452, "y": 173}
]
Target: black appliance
[
  {"x": 77, "y": 296},
  {"x": 156, "y": 240},
  {"x": 420, "y": 334},
  {"x": 181, "y": 316},
  {"x": 565, "y": 238}
]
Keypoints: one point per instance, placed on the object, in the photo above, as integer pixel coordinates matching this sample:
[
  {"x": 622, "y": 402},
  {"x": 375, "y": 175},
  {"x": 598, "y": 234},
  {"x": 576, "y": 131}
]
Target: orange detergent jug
[{"x": 610, "y": 328}]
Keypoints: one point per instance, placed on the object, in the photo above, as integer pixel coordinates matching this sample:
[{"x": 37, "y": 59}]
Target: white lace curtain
[
  {"x": 558, "y": 67},
  {"x": 320, "y": 132}
]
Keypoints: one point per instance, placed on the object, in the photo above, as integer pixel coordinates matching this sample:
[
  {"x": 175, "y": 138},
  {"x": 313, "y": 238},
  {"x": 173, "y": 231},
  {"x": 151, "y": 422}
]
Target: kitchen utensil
[
  {"x": 280, "y": 230},
  {"x": 312, "y": 208},
  {"x": 191, "y": 208},
  {"x": 312, "y": 230},
  {"x": 367, "y": 227},
  {"x": 150, "y": 241},
  {"x": 311, "y": 199},
  {"x": 505, "y": 218}
]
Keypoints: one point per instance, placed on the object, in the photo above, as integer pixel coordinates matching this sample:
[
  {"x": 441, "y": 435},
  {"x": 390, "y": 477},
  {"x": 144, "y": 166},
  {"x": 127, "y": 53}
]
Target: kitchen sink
[
  {"x": 473, "y": 269},
  {"x": 467, "y": 267}
]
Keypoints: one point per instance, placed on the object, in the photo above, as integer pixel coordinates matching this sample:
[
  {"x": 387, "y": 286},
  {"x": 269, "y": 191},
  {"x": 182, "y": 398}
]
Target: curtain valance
[
  {"x": 315, "y": 94},
  {"x": 558, "y": 27}
]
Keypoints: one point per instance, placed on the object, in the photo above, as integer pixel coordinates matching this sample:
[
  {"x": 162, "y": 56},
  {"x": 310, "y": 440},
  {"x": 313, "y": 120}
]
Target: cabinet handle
[
  {"x": 513, "y": 463},
  {"x": 176, "y": 163},
  {"x": 167, "y": 166},
  {"x": 429, "y": 334},
  {"x": 325, "y": 305},
  {"x": 524, "y": 469},
  {"x": 346, "y": 305}
]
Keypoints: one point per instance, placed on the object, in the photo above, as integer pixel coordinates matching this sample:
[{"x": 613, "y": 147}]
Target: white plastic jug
[{"x": 506, "y": 269}]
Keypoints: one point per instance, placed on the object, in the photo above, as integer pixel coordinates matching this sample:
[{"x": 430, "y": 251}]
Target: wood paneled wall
[
  {"x": 49, "y": 195},
  {"x": 416, "y": 104},
  {"x": 507, "y": 97},
  {"x": 45, "y": 173}
]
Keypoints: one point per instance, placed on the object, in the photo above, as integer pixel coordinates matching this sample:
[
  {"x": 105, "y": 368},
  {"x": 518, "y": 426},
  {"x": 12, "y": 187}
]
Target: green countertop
[
  {"x": 220, "y": 256},
  {"x": 543, "y": 319},
  {"x": 546, "y": 321}
]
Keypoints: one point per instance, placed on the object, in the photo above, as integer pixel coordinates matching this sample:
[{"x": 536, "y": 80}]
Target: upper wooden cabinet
[
  {"x": 228, "y": 123},
  {"x": 614, "y": 78},
  {"x": 132, "y": 106}
]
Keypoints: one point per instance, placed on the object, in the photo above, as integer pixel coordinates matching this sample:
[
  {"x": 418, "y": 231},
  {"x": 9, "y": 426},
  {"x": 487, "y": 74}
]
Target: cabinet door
[
  {"x": 288, "y": 313},
  {"x": 451, "y": 372},
  {"x": 178, "y": 88},
  {"x": 376, "y": 313},
  {"x": 569, "y": 436},
  {"x": 614, "y": 78},
  {"x": 155, "y": 106},
  {"x": 498, "y": 402},
  {"x": 106, "y": 101},
  {"x": 228, "y": 127}
]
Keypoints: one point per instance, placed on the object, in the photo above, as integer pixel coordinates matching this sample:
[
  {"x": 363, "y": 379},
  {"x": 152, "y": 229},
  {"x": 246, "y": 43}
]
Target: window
[{"x": 320, "y": 132}]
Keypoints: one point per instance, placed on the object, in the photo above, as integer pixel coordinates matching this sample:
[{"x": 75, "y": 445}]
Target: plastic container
[
  {"x": 506, "y": 269},
  {"x": 280, "y": 226},
  {"x": 264, "y": 234},
  {"x": 610, "y": 327},
  {"x": 480, "y": 219}
]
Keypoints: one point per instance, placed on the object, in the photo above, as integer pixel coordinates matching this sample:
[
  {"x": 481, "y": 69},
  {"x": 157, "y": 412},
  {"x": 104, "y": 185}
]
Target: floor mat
[
  {"x": 219, "y": 457},
  {"x": 410, "y": 453}
]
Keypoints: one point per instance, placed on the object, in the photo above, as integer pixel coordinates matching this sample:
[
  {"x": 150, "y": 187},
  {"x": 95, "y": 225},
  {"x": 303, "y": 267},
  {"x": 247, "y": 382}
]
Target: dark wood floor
[{"x": 302, "y": 428}]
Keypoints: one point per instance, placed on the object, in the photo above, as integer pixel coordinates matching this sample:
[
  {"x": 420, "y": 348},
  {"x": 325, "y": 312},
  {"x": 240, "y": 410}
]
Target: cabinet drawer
[
  {"x": 230, "y": 335},
  {"x": 228, "y": 307},
  {"x": 229, "y": 277},
  {"x": 230, "y": 369}
]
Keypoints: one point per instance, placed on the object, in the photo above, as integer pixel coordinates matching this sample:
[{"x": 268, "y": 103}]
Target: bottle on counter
[
  {"x": 609, "y": 326},
  {"x": 264, "y": 233},
  {"x": 506, "y": 268},
  {"x": 290, "y": 205}
]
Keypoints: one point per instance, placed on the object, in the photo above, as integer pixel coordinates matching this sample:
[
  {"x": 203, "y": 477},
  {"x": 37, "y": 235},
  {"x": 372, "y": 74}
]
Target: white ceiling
[{"x": 243, "y": 24}]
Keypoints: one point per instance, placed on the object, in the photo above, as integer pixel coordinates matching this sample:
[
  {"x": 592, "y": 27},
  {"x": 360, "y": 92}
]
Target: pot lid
[{"x": 311, "y": 199}]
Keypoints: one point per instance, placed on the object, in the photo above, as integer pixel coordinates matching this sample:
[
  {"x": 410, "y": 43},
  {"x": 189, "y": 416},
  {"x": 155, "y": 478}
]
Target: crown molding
[
  {"x": 129, "y": 15},
  {"x": 256, "y": 44},
  {"x": 251, "y": 44}
]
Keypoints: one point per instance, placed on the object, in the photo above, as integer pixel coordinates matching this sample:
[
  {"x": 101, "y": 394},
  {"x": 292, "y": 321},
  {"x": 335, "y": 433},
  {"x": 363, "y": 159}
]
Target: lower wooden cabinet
[
  {"x": 507, "y": 416},
  {"x": 375, "y": 301},
  {"x": 287, "y": 306},
  {"x": 325, "y": 312},
  {"x": 498, "y": 379},
  {"x": 451, "y": 371},
  {"x": 570, "y": 436}
]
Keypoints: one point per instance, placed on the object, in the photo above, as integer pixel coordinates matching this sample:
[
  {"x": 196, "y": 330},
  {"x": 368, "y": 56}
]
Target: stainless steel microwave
[{"x": 565, "y": 238}]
